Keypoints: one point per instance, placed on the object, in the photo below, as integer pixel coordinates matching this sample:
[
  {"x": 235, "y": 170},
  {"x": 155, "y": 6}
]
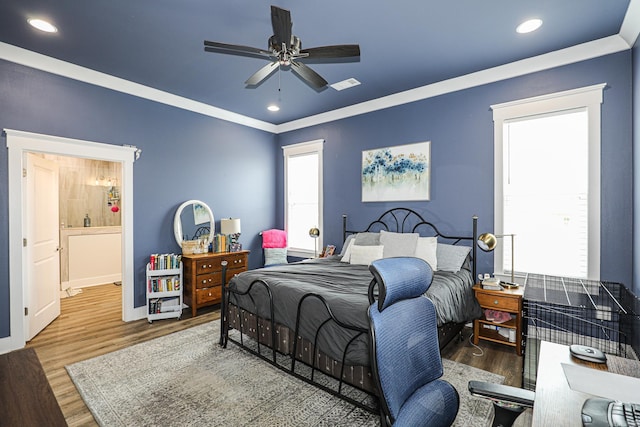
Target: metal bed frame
[{"x": 282, "y": 342}]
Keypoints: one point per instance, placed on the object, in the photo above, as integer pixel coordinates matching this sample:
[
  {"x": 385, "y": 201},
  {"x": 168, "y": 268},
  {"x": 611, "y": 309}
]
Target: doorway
[{"x": 18, "y": 143}]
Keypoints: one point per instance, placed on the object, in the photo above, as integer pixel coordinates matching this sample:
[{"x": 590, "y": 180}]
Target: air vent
[{"x": 345, "y": 84}]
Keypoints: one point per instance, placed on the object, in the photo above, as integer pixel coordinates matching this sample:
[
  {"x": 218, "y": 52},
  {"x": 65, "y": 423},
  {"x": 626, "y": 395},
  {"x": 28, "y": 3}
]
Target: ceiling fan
[{"x": 285, "y": 49}]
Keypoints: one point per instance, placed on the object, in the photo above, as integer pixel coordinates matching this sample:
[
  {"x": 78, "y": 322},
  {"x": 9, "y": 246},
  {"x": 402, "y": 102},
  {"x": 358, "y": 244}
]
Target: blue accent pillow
[{"x": 274, "y": 256}]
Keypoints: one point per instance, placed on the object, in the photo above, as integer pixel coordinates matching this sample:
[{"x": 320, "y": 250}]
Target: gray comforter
[{"x": 344, "y": 288}]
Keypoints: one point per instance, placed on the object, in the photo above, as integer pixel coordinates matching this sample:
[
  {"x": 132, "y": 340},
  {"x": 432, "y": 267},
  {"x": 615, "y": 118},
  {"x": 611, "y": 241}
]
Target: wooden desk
[{"x": 555, "y": 403}]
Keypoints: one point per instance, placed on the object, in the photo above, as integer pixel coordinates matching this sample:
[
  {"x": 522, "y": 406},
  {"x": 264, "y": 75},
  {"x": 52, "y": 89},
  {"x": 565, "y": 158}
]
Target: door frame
[{"x": 18, "y": 143}]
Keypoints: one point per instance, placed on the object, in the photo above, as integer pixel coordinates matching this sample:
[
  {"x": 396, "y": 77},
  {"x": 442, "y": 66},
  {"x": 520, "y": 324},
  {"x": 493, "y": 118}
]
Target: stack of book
[
  {"x": 164, "y": 261},
  {"x": 220, "y": 243}
]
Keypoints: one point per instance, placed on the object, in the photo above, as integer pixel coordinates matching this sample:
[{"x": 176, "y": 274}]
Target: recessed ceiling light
[
  {"x": 529, "y": 26},
  {"x": 273, "y": 107},
  {"x": 42, "y": 25}
]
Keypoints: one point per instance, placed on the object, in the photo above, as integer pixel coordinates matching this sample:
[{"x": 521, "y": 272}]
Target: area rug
[{"x": 186, "y": 379}]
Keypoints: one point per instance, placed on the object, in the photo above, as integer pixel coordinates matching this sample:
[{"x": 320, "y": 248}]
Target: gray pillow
[
  {"x": 367, "y": 239},
  {"x": 451, "y": 257},
  {"x": 274, "y": 256},
  {"x": 398, "y": 244}
]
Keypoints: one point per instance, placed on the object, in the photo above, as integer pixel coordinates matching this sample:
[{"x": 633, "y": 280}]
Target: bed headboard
[{"x": 404, "y": 220}]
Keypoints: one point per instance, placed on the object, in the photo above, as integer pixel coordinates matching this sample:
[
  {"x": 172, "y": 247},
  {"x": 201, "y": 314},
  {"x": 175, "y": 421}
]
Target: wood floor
[{"x": 90, "y": 325}]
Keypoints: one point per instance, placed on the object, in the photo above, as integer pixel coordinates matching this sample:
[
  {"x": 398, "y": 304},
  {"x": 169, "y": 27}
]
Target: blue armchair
[{"x": 405, "y": 355}]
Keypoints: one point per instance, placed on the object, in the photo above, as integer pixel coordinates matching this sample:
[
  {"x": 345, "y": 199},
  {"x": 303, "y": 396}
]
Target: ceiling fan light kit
[{"x": 285, "y": 50}]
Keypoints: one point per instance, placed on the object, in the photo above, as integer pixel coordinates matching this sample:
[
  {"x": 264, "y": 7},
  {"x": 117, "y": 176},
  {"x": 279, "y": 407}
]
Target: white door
[{"x": 42, "y": 290}]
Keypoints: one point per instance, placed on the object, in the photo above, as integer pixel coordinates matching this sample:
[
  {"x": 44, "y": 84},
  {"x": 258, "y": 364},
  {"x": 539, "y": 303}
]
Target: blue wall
[
  {"x": 230, "y": 167},
  {"x": 185, "y": 156},
  {"x": 460, "y": 128}
]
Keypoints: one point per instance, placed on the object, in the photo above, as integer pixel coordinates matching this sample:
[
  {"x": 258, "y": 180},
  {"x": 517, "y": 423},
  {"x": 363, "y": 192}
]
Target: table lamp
[
  {"x": 231, "y": 227},
  {"x": 488, "y": 242},
  {"x": 314, "y": 233}
]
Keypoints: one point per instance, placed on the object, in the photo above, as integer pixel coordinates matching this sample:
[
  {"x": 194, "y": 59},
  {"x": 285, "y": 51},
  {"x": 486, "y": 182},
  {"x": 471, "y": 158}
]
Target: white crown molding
[
  {"x": 582, "y": 52},
  {"x": 66, "y": 69},
  {"x": 630, "y": 28}
]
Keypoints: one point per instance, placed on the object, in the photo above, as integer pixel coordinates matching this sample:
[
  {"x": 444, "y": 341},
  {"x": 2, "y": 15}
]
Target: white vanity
[{"x": 90, "y": 256}]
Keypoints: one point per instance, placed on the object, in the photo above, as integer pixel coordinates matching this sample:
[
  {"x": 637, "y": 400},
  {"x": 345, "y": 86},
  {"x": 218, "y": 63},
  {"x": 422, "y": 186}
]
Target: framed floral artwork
[{"x": 400, "y": 173}]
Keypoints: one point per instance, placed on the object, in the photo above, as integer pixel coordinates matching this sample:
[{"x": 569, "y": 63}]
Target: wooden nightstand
[
  {"x": 508, "y": 300},
  {"x": 202, "y": 275}
]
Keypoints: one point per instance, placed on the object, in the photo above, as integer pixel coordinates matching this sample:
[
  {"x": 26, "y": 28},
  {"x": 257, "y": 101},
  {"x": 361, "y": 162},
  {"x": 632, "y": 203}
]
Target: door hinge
[
  {"x": 26, "y": 311},
  {"x": 24, "y": 243},
  {"x": 24, "y": 172}
]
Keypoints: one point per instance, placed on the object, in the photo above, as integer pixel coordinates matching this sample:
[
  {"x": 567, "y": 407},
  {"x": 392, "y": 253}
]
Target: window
[
  {"x": 303, "y": 196},
  {"x": 547, "y": 184}
]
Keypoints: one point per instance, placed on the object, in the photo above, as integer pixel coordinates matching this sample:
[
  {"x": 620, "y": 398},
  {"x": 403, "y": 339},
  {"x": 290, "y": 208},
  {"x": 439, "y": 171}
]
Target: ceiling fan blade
[
  {"x": 281, "y": 23},
  {"x": 218, "y": 47},
  {"x": 262, "y": 74},
  {"x": 310, "y": 76},
  {"x": 337, "y": 51}
]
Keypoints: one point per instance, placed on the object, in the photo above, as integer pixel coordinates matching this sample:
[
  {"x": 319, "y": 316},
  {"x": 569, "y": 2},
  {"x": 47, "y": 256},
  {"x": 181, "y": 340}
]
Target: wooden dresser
[{"x": 202, "y": 275}]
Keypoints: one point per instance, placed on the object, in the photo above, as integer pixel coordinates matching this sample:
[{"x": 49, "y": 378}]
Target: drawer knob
[{"x": 496, "y": 302}]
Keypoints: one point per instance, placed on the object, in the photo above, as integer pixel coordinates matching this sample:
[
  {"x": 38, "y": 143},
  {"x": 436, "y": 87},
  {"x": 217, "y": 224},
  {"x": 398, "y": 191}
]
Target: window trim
[
  {"x": 589, "y": 97},
  {"x": 309, "y": 147}
]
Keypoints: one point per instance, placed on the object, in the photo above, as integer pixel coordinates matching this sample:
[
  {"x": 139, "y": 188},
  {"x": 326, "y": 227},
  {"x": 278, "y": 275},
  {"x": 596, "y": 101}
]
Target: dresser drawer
[
  {"x": 208, "y": 280},
  {"x": 207, "y": 266},
  {"x": 233, "y": 261},
  {"x": 497, "y": 302},
  {"x": 208, "y": 294}
]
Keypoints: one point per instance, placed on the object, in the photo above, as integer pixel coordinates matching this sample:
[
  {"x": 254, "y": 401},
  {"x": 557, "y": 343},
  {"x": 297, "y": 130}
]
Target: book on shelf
[
  {"x": 164, "y": 284},
  {"x": 164, "y": 305},
  {"x": 164, "y": 261}
]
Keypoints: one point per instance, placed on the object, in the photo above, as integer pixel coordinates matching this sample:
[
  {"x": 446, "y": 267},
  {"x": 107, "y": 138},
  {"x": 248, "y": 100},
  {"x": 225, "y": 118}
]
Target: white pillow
[
  {"x": 398, "y": 244},
  {"x": 347, "y": 252},
  {"x": 427, "y": 249},
  {"x": 364, "y": 255},
  {"x": 346, "y": 243}
]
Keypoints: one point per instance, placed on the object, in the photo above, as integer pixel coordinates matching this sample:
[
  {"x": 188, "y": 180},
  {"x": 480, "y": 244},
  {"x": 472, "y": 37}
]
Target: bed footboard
[
  {"x": 283, "y": 347},
  {"x": 259, "y": 330}
]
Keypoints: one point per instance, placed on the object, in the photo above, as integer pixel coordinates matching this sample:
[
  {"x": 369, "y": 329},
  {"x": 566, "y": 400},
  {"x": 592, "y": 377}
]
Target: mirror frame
[{"x": 177, "y": 223}]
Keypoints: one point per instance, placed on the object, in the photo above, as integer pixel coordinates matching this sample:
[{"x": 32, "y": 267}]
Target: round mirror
[{"x": 193, "y": 220}]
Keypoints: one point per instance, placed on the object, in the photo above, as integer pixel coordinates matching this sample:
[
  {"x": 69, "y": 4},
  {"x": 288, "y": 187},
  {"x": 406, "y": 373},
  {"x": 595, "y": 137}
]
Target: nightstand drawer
[
  {"x": 208, "y": 294},
  {"x": 497, "y": 302}
]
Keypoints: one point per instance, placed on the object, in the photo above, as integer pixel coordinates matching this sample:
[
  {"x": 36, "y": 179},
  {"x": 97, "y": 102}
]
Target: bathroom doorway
[
  {"x": 90, "y": 223},
  {"x": 19, "y": 143}
]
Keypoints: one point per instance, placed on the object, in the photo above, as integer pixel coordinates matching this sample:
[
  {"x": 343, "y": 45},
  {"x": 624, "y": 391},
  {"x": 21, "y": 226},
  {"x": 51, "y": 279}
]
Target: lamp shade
[
  {"x": 314, "y": 232},
  {"x": 230, "y": 226},
  {"x": 487, "y": 242}
]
